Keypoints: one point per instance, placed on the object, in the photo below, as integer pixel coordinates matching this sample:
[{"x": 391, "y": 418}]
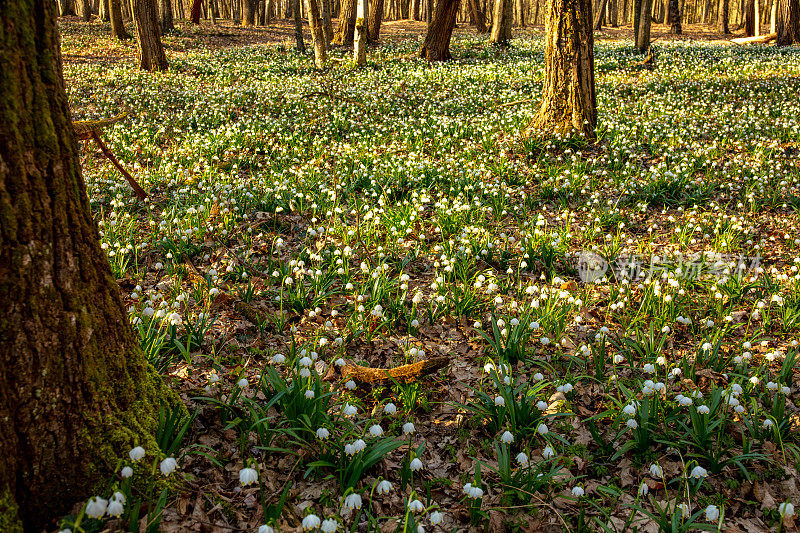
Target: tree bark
[
  {"x": 674, "y": 18},
  {"x": 85, "y": 10},
  {"x": 722, "y": 23},
  {"x": 165, "y": 10},
  {"x": 249, "y": 10},
  {"x": 614, "y": 14},
  {"x": 327, "y": 25},
  {"x": 501, "y": 22},
  {"x": 148, "y": 36},
  {"x": 77, "y": 391},
  {"x": 436, "y": 46},
  {"x": 347, "y": 23},
  {"x": 644, "y": 17},
  {"x": 197, "y": 10},
  {"x": 375, "y": 18},
  {"x": 477, "y": 18},
  {"x": 317, "y": 34},
  {"x": 521, "y": 13},
  {"x": 361, "y": 33},
  {"x": 568, "y": 95},
  {"x": 298, "y": 27},
  {"x": 598, "y": 17},
  {"x": 117, "y": 27},
  {"x": 787, "y": 22}
]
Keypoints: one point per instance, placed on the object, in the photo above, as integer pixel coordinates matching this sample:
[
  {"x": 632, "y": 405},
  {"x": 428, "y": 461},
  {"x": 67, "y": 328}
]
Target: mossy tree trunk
[
  {"x": 436, "y": 46},
  {"x": 148, "y": 36},
  {"x": 568, "y": 94},
  {"x": 787, "y": 22},
  {"x": 501, "y": 22},
  {"x": 77, "y": 391}
]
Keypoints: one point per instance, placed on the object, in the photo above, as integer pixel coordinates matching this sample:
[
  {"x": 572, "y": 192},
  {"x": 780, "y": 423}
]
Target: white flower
[
  {"x": 499, "y": 401},
  {"x": 786, "y": 509},
  {"x": 96, "y": 507},
  {"x": 309, "y": 394},
  {"x": 703, "y": 410},
  {"x": 685, "y": 511},
  {"x": 330, "y": 525},
  {"x": 349, "y": 410},
  {"x": 408, "y": 428},
  {"x": 507, "y": 437},
  {"x": 629, "y": 409},
  {"x": 538, "y": 376},
  {"x": 522, "y": 458},
  {"x": 712, "y": 513},
  {"x": 633, "y": 424},
  {"x": 323, "y": 433},
  {"x": 643, "y": 489},
  {"x": 311, "y": 522},
  {"x": 242, "y": 383},
  {"x": 577, "y": 491},
  {"x": 305, "y": 361},
  {"x": 656, "y": 471},
  {"x": 350, "y": 384},
  {"x": 541, "y": 405},
  {"x": 136, "y": 454},
  {"x": 437, "y": 517},
  {"x": 265, "y": 529},
  {"x": 473, "y": 492},
  {"x": 352, "y": 501},
  {"x": 115, "y": 507},
  {"x": 542, "y": 429},
  {"x": 278, "y": 359},
  {"x": 698, "y": 472},
  {"x": 248, "y": 476},
  {"x": 118, "y": 496},
  {"x": 384, "y": 487},
  {"x": 416, "y": 506},
  {"x": 390, "y": 408},
  {"x": 416, "y": 464},
  {"x": 126, "y": 472},
  {"x": 649, "y": 368},
  {"x": 548, "y": 452},
  {"x": 545, "y": 341},
  {"x": 168, "y": 466},
  {"x": 375, "y": 430}
]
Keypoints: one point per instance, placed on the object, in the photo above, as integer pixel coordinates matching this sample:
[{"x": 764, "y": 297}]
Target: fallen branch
[
  {"x": 405, "y": 373},
  {"x": 761, "y": 39}
]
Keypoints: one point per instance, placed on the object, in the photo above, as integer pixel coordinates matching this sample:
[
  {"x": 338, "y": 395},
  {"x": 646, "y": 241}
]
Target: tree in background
[
  {"x": 148, "y": 36},
  {"x": 77, "y": 391},
  {"x": 165, "y": 10},
  {"x": 787, "y": 22},
  {"x": 501, "y": 23},
  {"x": 568, "y": 94},
  {"x": 436, "y": 46},
  {"x": 674, "y": 16}
]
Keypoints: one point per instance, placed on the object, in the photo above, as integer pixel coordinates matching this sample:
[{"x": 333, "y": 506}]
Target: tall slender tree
[
  {"x": 501, "y": 22},
  {"x": 674, "y": 17},
  {"x": 117, "y": 26},
  {"x": 317, "y": 34},
  {"x": 723, "y": 18},
  {"x": 568, "y": 95},
  {"x": 148, "y": 36},
  {"x": 77, "y": 391},
  {"x": 166, "y": 16},
  {"x": 787, "y": 22},
  {"x": 375, "y": 19},
  {"x": 436, "y": 46}
]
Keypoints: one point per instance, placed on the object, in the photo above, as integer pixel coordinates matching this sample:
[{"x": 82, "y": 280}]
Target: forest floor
[{"x": 620, "y": 318}]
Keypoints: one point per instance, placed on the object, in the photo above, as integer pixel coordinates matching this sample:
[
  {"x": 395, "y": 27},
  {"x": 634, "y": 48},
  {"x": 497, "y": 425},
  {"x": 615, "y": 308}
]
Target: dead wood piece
[
  {"x": 405, "y": 373},
  {"x": 761, "y": 39}
]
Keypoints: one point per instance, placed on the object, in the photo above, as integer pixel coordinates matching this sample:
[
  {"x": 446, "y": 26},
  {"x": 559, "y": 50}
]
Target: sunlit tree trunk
[
  {"x": 76, "y": 390},
  {"x": 598, "y": 16},
  {"x": 375, "y": 18},
  {"x": 148, "y": 36},
  {"x": 722, "y": 22},
  {"x": 298, "y": 27},
  {"x": 361, "y": 32},
  {"x": 249, "y": 10},
  {"x": 787, "y": 22},
  {"x": 327, "y": 25},
  {"x": 436, "y": 46},
  {"x": 317, "y": 35},
  {"x": 347, "y": 23},
  {"x": 117, "y": 27},
  {"x": 643, "y": 20},
  {"x": 568, "y": 93},
  {"x": 501, "y": 22},
  {"x": 477, "y": 17}
]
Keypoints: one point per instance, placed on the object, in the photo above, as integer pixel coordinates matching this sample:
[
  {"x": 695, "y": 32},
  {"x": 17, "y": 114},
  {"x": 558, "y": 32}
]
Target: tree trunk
[
  {"x": 327, "y": 25},
  {"x": 298, "y": 27},
  {"x": 598, "y": 17},
  {"x": 361, "y": 33},
  {"x": 104, "y": 10},
  {"x": 787, "y": 22},
  {"x": 375, "y": 18},
  {"x": 117, "y": 27},
  {"x": 637, "y": 7},
  {"x": 568, "y": 92},
  {"x": 67, "y": 8},
  {"x": 501, "y": 22},
  {"x": 521, "y": 13},
  {"x": 77, "y": 391},
  {"x": 347, "y": 23},
  {"x": 166, "y": 16},
  {"x": 148, "y": 36},
  {"x": 614, "y": 14},
  {"x": 197, "y": 10},
  {"x": 415, "y": 9},
  {"x": 317, "y": 34},
  {"x": 644, "y": 17},
  {"x": 249, "y": 10},
  {"x": 722, "y": 22},
  {"x": 756, "y": 18},
  {"x": 675, "y": 17},
  {"x": 85, "y": 10},
  {"x": 436, "y": 46},
  {"x": 477, "y": 17}
]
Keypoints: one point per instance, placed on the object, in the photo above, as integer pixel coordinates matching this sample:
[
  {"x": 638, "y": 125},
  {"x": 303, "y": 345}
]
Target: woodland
[{"x": 399, "y": 266}]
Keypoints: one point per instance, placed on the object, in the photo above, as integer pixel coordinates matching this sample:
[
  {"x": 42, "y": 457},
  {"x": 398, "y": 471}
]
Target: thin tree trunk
[
  {"x": 361, "y": 33},
  {"x": 501, "y": 22},
  {"x": 477, "y": 17},
  {"x": 165, "y": 11},
  {"x": 77, "y": 391},
  {"x": 197, "y": 6},
  {"x": 568, "y": 93},
  {"x": 347, "y": 23},
  {"x": 375, "y": 19},
  {"x": 85, "y": 10},
  {"x": 117, "y": 27},
  {"x": 756, "y": 18},
  {"x": 722, "y": 22},
  {"x": 674, "y": 19},
  {"x": 148, "y": 36},
  {"x": 298, "y": 27},
  {"x": 521, "y": 13},
  {"x": 436, "y": 46},
  {"x": 787, "y": 22},
  {"x": 598, "y": 17},
  {"x": 317, "y": 34},
  {"x": 415, "y": 9},
  {"x": 644, "y": 18},
  {"x": 327, "y": 25},
  {"x": 104, "y": 11}
]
